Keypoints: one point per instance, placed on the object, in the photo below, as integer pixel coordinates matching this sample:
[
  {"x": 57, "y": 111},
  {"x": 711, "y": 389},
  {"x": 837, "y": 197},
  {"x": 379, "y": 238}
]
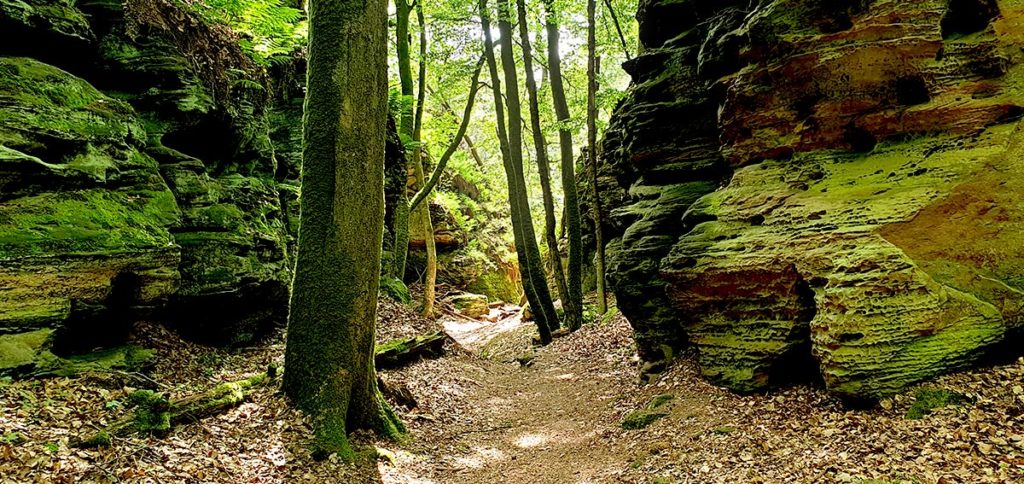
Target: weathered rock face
[
  {"x": 131, "y": 179},
  {"x": 852, "y": 176}
]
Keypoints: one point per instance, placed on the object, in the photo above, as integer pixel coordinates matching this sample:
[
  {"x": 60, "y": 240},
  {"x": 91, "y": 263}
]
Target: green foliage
[
  {"x": 270, "y": 30},
  {"x": 12, "y": 438},
  {"x": 928, "y": 399}
]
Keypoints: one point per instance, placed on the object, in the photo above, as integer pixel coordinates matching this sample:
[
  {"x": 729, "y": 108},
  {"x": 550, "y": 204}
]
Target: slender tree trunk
[
  {"x": 406, "y": 127},
  {"x": 571, "y": 221},
  {"x": 423, "y": 215},
  {"x": 540, "y": 145},
  {"x": 329, "y": 369},
  {"x": 538, "y": 279},
  {"x": 618, "y": 28},
  {"x": 602, "y": 298},
  {"x": 512, "y": 175},
  {"x": 470, "y": 145},
  {"x": 435, "y": 177}
]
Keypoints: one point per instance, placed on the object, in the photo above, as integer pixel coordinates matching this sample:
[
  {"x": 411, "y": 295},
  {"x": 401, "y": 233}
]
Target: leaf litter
[{"x": 488, "y": 420}]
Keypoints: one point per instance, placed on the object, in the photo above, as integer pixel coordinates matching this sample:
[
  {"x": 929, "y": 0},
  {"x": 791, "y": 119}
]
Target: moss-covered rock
[
  {"x": 852, "y": 220},
  {"x": 471, "y": 305},
  {"x": 640, "y": 419},
  {"x": 235, "y": 263},
  {"x": 61, "y": 17},
  {"x": 85, "y": 219}
]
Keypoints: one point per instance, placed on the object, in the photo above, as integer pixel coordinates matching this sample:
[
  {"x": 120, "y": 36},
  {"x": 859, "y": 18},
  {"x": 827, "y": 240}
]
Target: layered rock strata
[{"x": 823, "y": 190}]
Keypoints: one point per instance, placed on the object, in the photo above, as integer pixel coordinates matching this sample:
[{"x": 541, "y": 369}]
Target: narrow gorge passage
[
  {"x": 544, "y": 418},
  {"x": 575, "y": 412}
]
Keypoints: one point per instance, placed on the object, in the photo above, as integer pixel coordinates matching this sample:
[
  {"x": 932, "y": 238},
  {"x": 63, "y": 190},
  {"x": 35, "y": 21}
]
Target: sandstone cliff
[
  {"x": 147, "y": 168},
  {"x": 828, "y": 190}
]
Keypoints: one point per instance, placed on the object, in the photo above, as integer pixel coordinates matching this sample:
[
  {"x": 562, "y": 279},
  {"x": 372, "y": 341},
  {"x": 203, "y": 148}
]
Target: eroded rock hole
[
  {"x": 116, "y": 314},
  {"x": 965, "y": 17},
  {"x": 798, "y": 365},
  {"x": 859, "y": 139},
  {"x": 911, "y": 91}
]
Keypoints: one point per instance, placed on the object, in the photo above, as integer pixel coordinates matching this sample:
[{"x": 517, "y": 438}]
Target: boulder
[{"x": 471, "y": 305}]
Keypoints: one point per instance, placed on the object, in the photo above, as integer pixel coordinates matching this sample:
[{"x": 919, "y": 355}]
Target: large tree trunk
[
  {"x": 602, "y": 298},
  {"x": 329, "y": 369},
  {"x": 571, "y": 222},
  {"x": 537, "y": 278},
  {"x": 511, "y": 174},
  {"x": 540, "y": 145}
]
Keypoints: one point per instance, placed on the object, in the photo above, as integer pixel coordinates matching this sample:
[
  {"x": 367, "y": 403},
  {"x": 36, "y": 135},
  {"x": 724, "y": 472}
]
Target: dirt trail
[{"x": 549, "y": 422}]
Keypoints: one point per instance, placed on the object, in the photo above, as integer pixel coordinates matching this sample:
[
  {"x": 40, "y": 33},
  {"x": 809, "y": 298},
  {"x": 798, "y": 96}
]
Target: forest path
[{"x": 550, "y": 420}]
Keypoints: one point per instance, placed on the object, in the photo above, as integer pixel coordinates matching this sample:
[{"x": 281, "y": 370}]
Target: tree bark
[
  {"x": 540, "y": 145},
  {"x": 329, "y": 369},
  {"x": 511, "y": 172},
  {"x": 542, "y": 304},
  {"x": 406, "y": 128},
  {"x": 571, "y": 221},
  {"x": 618, "y": 28},
  {"x": 602, "y": 298},
  {"x": 422, "y": 213}
]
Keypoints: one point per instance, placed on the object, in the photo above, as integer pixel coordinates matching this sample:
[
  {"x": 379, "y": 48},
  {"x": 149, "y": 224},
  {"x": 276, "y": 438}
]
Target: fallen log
[
  {"x": 403, "y": 350},
  {"x": 156, "y": 414}
]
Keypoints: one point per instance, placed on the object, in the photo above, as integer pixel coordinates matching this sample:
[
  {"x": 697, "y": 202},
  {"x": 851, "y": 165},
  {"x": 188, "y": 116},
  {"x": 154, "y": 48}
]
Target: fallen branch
[{"x": 155, "y": 413}]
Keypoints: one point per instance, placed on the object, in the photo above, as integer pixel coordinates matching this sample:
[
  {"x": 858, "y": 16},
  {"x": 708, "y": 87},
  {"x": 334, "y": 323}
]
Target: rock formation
[
  {"x": 139, "y": 177},
  {"x": 822, "y": 190}
]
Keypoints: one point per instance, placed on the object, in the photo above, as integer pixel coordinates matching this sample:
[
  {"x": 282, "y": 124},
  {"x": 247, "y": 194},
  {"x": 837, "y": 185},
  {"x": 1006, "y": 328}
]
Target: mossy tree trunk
[
  {"x": 513, "y": 173},
  {"x": 571, "y": 221},
  {"x": 537, "y": 278},
  {"x": 540, "y": 145},
  {"x": 406, "y": 127},
  {"x": 602, "y": 298},
  {"x": 329, "y": 369}
]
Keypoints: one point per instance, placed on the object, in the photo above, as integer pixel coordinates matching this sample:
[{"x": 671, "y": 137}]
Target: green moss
[
  {"x": 43, "y": 103},
  {"x": 101, "y": 439},
  {"x": 395, "y": 289},
  {"x": 152, "y": 411},
  {"x": 86, "y": 222},
  {"x": 22, "y": 349},
  {"x": 640, "y": 419},
  {"x": 59, "y": 16},
  {"x": 660, "y": 400},
  {"x": 928, "y": 399},
  {"x": 497, "y": 286}
]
